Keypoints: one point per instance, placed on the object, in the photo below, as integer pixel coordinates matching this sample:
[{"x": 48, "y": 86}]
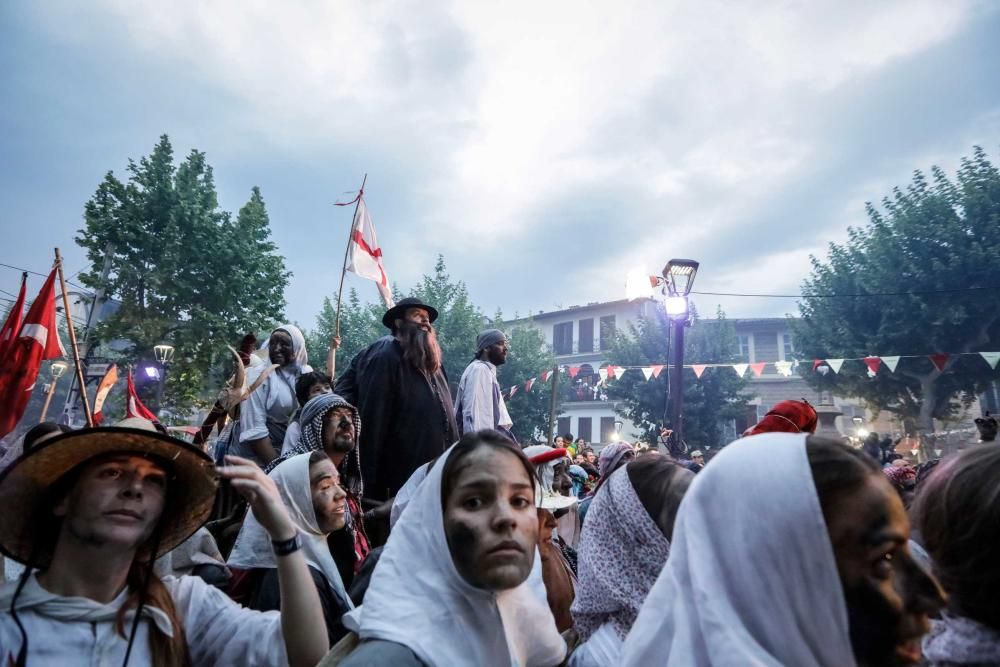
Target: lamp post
[
  {"x": 57, "y": 369},
  {"x": 164, "y": 354},
  {"x": 617, "y": 435},
  {"x": 678, "y": 279}
]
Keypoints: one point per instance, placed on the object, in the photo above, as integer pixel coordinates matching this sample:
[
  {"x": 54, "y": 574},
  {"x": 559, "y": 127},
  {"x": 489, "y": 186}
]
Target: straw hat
[{"x": 24, "y": 486}]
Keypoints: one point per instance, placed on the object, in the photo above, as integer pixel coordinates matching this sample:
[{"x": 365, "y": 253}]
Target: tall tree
[
  {"x": 708, "y": 402},
  {"x": 360, "y": 325},
  {"x": 184, "y": 271},
  {"x": 529, "y": 357},
  {"x": 928, "y": 260}
]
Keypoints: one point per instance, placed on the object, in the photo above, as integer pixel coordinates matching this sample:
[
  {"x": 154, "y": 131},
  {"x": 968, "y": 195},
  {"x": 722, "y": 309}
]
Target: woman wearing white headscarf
[
  {"x": 308, "y": 485},
  {"x": 265, "y": 415},
  {"x": 754, "y": 577},
  {"x": 453, "y": 591}
]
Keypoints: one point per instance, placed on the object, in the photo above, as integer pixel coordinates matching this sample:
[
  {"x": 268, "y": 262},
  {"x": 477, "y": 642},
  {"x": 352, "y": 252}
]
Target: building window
[
  {"x": 562, "y": 426},
  {"x": 607, "y": 429},
  {"x": 562, "y": 338},
  {"x": 584, "y": 428},
  {"x": 787, "y": 348},
  {"x": 607, "y": 332},
  {"x": 587, "y": 335},
  {"x": 744, "y": 347}
]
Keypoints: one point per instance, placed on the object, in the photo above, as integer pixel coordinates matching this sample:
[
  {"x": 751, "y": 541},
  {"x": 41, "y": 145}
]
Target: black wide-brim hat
[
  {"x": 25, "y": 486},
  {"x": 399, "y": 310}
]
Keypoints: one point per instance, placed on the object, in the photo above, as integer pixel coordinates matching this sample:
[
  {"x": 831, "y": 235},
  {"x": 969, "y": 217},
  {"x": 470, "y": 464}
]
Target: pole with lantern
[
  {"x": 57, "y": 369},
  {"x": 164, "y": 354}
]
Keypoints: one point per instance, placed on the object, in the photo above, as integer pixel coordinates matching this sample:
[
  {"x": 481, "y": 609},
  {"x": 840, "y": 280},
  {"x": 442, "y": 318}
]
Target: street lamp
[
  {"x": 164, "y": 354},
  {"x": 617, "y": 435},
  {"x": 57, "y": 369}
]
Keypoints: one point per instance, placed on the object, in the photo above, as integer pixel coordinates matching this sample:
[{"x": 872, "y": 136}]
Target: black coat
[{"x": 407, "y": 419}]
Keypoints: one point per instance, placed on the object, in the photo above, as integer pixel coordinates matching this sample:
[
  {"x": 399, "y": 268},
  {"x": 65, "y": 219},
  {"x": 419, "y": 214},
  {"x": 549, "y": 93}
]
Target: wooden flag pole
[
  {"x": 331, "y": 361},
  {"x": 72, "y": 341}
]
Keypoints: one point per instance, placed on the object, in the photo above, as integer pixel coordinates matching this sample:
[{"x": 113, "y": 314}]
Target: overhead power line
[{"x": 851, "y": 296}]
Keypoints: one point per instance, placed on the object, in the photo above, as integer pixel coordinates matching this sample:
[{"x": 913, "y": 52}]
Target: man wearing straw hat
[{"x": 89, "y": 511}]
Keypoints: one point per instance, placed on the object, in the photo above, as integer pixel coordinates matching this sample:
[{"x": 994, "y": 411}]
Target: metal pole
[
  {"x": 72, "y": 340},
  {"x": 552, "y": 407},
  {"x": 677, "y": 389},
  {"x": 48, "y": 399}
]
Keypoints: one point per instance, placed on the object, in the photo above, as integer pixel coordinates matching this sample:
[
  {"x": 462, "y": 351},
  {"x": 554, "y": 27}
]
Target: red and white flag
[
  {"x": 37, "y": 340},
  {"x": 103, "y": 389},
  {"x": 364, "y": 256},
  {"x": 13, "y": 324},
  {"x": 134, "y": 407}
]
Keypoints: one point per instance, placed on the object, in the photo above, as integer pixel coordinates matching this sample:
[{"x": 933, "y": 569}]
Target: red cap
[{"x": 550, "y": 455}]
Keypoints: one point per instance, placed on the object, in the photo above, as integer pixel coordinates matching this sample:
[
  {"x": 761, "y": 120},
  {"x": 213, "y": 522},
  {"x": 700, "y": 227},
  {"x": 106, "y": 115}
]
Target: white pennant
[
  {"x": 741, "y": 369},
  {"x": 835, "y": 364},
  {"x": 992, "y": 358},
  {"x": 783, "y": 368},
  {"x": 891, "y": 363},
  {"x": 603, "y": 372},
  {"x": 647, "y": 372}
]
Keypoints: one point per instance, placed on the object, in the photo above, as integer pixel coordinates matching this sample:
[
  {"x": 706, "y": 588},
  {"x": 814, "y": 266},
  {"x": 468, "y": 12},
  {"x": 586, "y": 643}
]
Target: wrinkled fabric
[
  {"x": 418, "y": 599},
  {"x": 787, "y": 417},
  {"x": 199, "y": 549},
  {"x": 902, "y": 479},
  {"x": 957, "y": 640},
  {"x": 622, "y": 552},
  {"x": 611, "y": 456},
  {"x": 752, "y": 578},
  {"x": 479, "y": 402}
]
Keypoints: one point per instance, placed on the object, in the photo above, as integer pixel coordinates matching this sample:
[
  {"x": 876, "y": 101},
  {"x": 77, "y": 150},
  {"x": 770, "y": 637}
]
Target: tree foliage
[
  {"x": 529, "y": 357},
  {"x": 929, "y": 247},
  {"x": 185, "y": 272},
  {"x": 708, "y": 402}
]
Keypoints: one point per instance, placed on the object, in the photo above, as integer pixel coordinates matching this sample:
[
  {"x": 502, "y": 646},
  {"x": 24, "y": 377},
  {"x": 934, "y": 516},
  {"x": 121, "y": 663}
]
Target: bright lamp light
[
  {"x": 164, "y": 353},
  {"x": 639, "y": 285},
  {"x": 58, "y": 368},
  {"x": 680, "y": 274},
  {"x": 152, "y": 372},
  {"x": 676, "y": 306},
  {"x": 863, "y": 433}
]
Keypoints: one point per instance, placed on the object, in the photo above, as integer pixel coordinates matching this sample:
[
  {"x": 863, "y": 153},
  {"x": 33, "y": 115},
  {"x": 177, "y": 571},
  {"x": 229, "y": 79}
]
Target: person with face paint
[
  {"x": 624, "y": 545},
  {"x": 310, "y": 488},
  {"x": 470, "y": 531},
  {"x": 95, "y": 508},
  {"x": 479, "y": 403},
  {"x": 264, "y": 417},
  {"x": 958, "y": 511},
  {"x": 308, "y": 385},
  {"x": 400, "y": 388},
  {"x": 812, "y": 571},
  {"x": 332, "y": 425}
]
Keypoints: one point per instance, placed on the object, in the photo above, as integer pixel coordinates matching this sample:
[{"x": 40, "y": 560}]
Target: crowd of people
[{"x": 376, "y": 519}]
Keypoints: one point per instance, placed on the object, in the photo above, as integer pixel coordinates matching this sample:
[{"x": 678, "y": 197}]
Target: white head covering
[
  {"x": 298, "y": 347},
  {"x": 546, "y": 496},
  {"x": 751, "y": 578},
  {"x": 417, "y": 598},
  {"x": 253, "y": 545}
]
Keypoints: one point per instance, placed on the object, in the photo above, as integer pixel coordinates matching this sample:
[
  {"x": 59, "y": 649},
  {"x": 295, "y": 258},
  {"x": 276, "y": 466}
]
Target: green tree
[
  {"x": 529, "y": 357},
  {"x": 933, "y": 244},
  {"x": 360, "y": 325},
  {"x": 708, "y": 402},
  {"x": 184, "y": 271}
]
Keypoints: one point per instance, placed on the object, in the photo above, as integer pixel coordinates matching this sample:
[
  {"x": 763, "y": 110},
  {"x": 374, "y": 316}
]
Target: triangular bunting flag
[
  {"x": 656, "y": 371},
  {"x": 873, "y": 363},
  {"x": 529, "y": 384},
  {"x": 783, "y": 367},
  {"x": 573, "y": 370},
  {"x": 741, "y": 369},
  {"x": 939, "y": 361},
  {"x": 603, "y": 372},
  {"x": 758, "y": 368},
  {"x": 698, "y": 370},
  {"x": 513, "y": 390},
  {"x": 612, "y": 372},
  {"x": 817, "y": 363},
  {"x": 103, "y": 389},
  {"x": 546, "y": 375},
  {"x": 890, "y": 363},
  {"x": 835, "y": 364},
  {"x": 134, "y": 407},
  {"x": 647, "y": 372},
  {"x": 992, "y": 358}
]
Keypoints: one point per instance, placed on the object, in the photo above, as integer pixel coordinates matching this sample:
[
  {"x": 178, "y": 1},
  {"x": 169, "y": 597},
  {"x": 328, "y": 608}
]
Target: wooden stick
[
  {"x": 552, "y": 406},
  {"x": 72, "y": 342},
  {"x": 332, "y": 358}
]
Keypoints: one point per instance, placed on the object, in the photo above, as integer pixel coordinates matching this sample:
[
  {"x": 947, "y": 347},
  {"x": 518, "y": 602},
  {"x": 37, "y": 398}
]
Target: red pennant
[
  {"x": 656, "y": 371},
  {"x": 873, "y": 363},
  {"x": 573, "y": 370},
  {"x": 611, "y": 372},
  {"x": 546, "y": 375},
  {"x": 758, "y": 368},
  {"x": 939, "y": 361},
  {"x": 817, "y": 363},
  {"x": 134, "y": 407},
  {"x": 12, "y": 327},
  {"x": 529, "y": 384},
  {"x": 698, "y": 370}
]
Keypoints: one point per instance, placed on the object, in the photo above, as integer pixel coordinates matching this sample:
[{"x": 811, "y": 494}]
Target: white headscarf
[
  {"x": 299, "y": 352},
  {"x": 751, "y": 578},
  {"x": 253, "y": 545},
  {"x": 417, "y": 598}
]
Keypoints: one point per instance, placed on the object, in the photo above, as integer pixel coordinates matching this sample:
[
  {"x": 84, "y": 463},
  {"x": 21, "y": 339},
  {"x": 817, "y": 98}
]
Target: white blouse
[{"x": 275, "y": 399}]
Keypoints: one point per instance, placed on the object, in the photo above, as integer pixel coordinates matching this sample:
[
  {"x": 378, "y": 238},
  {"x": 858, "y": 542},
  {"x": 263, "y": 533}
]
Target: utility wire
[
  {"x": 850, "y": 296},
  {"x": 45, "y": 275}
]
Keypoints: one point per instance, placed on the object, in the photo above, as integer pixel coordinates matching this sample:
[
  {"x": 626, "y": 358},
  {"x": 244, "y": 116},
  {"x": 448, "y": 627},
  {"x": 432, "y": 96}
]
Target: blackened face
[
  {"x": 419, "y": 317},
  {"x": 490, "y": 520},
  {"x": 889, "y": 597},
  {"x": 329, "y": 499},
  {"x": 280, "y": 349},
  {"x": 561, "y": 480},
  {"x": 497, "y": 353},
  {"x": 338, "y": 431}
]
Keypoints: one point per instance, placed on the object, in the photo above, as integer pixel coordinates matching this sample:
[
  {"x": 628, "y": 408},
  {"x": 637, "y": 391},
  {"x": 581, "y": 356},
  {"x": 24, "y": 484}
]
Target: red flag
[
  {"x": 939, "y": 361},
  {"x": 573, "y": 370},
  {"x": 873, "y": 363},
  {"x": 529, "y": 384},
  {"x": 817, "y": 363},
  {"x": 758, "y": 368},
  {"x": 546, "y": 375},
  {"x": 13, "y": 324},
  {"x": 656, "y": 371},
  {"x": 134, "y": 407},
  {"x": 698, "y": 369},
  {"x": 612, "y": 372},
  {"x": 103, "y": 389},
  {"x": 37, "y": 341}
]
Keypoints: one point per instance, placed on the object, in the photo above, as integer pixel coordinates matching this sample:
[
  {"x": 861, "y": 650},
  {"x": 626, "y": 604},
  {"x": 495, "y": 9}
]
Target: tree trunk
[{"x": 925, "y": 420}]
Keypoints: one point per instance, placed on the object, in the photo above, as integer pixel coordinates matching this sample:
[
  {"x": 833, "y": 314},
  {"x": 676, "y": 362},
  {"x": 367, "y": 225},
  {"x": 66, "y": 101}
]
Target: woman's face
[
  {"x": 329, "y": 500},
  {"x": 280, "y": 349},
  {"x": 889, "y": 597},
  {"x": 490, "y": 520}
]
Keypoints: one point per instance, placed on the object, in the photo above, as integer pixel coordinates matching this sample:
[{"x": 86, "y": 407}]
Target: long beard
[{"x": 420, "y": 347}]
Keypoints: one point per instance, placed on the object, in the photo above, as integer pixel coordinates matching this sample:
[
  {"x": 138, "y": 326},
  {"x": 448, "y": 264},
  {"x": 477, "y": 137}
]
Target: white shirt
[
  {"x": 80, "y": 631},
  {"x": 475, "y": 395},
  {"x": 292, "y": 437},
  {"x": 275, "y": 399}
]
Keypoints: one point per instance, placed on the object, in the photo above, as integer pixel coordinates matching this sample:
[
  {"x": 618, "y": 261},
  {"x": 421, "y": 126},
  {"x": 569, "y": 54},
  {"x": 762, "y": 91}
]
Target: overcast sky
[{"x": 545, "y": 148}]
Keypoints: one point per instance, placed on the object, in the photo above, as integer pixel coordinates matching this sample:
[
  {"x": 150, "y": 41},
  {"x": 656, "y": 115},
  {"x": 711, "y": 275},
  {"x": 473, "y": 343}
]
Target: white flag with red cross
[{"x": 364, "y": 255}]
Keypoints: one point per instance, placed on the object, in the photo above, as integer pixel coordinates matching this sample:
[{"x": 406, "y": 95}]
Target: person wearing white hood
[
  {"x": 787, "y": 550},
  {"x": 459, "y": 582}
]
